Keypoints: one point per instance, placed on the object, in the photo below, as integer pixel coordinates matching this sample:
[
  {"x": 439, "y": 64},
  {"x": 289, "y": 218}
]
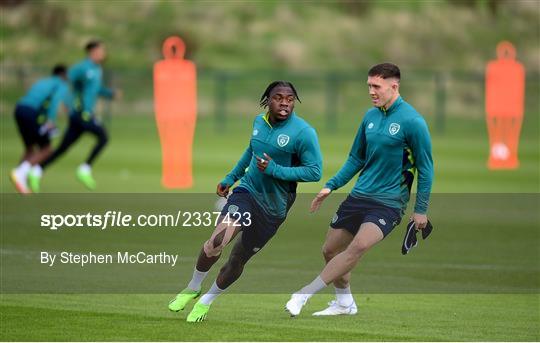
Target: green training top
[
  {"x": 388, "y": 147},
  {"x": 296, "y": 157}
]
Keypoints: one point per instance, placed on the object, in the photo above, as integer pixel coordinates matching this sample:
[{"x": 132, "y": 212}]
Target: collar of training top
[
  {"x": 392, "y": 108},
  {"x": 279, "y": 123}
]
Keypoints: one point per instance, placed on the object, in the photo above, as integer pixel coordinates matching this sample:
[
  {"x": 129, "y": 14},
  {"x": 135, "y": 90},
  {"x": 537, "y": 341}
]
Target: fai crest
[
  {"x": 394, "y": 128},
  {"x": 282, "y": 140},
  {"x": 255, "y": 132}
]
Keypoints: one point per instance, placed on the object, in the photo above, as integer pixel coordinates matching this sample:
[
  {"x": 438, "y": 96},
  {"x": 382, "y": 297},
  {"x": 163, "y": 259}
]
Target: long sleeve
[
  {"x": 76, "y": 73},
  {"x": 106, "y": 92},
  {"x": 240, "y": 169},
  {"x": 59, "y": 96},
  {"x": 76, "y": 78},
  {"x": 355, "y": 162},
  {"x": 310, "y": 168},
  {"x": 420, "y": 143}
]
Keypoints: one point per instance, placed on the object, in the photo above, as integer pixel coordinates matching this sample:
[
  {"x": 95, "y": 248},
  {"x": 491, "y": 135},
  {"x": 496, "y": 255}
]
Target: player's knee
[
  {"x": 357, "y": 249},
  {"x": 237, "y": 261},
  {"x": 233, "y": 268},
  {"x": 103, "y": 139},
  {"x": 211, "y": 250},
  {"x": 328, "y": 252}
]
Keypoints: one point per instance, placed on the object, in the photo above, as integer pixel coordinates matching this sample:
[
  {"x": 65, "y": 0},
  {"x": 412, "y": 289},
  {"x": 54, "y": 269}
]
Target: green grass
[
  {"x": 476, "y": 279},
  {"x": 262, "y": 318},
  {"x": 132, "y": 161}
]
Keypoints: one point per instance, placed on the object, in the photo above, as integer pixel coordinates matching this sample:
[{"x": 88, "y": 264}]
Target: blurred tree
[
  {"x": 11, "y": 3},
  {"x": 355, "y": 7},
  {"x": 49, "y": 20},
  {"x": 491, "y": 5}
]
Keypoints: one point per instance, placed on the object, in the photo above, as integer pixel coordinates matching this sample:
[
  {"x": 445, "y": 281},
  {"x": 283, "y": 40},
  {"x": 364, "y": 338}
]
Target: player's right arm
[{"x": 355, "y": 162}]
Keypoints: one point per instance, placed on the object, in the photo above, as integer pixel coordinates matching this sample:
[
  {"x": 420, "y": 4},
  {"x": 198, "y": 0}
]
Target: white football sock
[
  {"x": 196, "y": 280},
  {"x": 23, "y": 169},
  {"x": 315, "y": 286},
  {"x": 85, "y": 167},
  {"x": 211, "y": 295},
  {"x": 344, "y": 296}
]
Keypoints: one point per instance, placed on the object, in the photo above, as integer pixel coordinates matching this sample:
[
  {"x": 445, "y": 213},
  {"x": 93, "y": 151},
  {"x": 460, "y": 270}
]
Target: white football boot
[
  {"x": 335, "y": 309},
  {"x": 295, "y": 304}
]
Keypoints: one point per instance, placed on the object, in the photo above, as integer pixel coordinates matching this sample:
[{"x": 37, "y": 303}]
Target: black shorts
[
  {"x": 28, "y": 122},
  {"x": 257, "y": 226},
  {"x": 353, "y": 212}
]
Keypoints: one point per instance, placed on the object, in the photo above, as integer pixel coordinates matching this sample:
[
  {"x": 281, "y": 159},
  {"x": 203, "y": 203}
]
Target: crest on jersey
[
  {"x": 255, "y": 132},
  {"x": 394, "y": 128},
  {"x": 370, "y": 126},
  {"x": 283, "y": 140}
]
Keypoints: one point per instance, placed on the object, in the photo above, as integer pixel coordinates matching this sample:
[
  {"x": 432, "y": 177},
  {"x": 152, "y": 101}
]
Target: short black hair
[
  {"x": 59, "y": 70},
  {"x": 91, "y": 45},
  {"x": 385, "y": 70},
  {"x": 264, "y": 98}
]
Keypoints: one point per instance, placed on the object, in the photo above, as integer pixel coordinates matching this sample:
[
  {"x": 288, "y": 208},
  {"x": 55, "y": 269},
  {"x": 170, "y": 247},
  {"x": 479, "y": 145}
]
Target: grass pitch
[{"x": 479, "y": 271}]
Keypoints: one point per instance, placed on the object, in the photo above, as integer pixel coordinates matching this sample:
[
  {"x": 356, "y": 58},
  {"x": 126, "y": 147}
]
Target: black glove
[{"x": 410, "y": 240}]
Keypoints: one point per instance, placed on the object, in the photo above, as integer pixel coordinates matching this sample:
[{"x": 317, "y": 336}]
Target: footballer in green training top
[
  {"x": 392, "y": 142},
  {"x": 282, "y": 151}
]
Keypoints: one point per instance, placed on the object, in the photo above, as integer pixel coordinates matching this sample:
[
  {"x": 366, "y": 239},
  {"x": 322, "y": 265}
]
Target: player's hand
[
  {"x": 222, "y": 190},
  {"x": 48, "y": 129},
  {"x": 262, "y": 162},
  {"x": 316, "y": 203},
  {"x": 420, "y": 220}
]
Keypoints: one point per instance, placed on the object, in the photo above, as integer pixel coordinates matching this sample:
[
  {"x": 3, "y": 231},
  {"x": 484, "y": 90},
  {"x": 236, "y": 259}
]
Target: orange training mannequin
[
  {"x": 505, "y": 97},
  {"x": 175, "y": 104}
]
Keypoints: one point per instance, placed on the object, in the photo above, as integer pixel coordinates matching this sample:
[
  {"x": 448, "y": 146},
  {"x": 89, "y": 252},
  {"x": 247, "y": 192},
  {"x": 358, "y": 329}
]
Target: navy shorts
[
  {"x": 258, "y": 227},
  {"x": 353, "y": 212},
  {"x": 28, "y": 123}
]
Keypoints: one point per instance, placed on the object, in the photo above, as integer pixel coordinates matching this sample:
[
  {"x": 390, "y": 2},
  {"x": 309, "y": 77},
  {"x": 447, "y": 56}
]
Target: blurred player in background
[
  {"x": 35, "y": 114},
  {"x": 393, "y": 140},
  {"x": 86, "y": 80},
  {"x": 282, "y": 151}
]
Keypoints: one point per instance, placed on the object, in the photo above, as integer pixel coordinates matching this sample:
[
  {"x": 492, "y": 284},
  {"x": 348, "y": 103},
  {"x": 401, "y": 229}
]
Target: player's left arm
[
  {"x": 310, "y": 168},
  {"x": 106, "y": 92},
  {"x": 419, "y": 139}
]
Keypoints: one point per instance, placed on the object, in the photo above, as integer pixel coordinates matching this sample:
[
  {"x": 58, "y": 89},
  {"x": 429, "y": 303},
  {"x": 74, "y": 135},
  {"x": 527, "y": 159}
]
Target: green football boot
[
  {"x": 85, "y": 176},
  {"x": 198, "y": 314},
  {"x": 182, "y": 298},
  {"x": 34, "y": 181}
]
